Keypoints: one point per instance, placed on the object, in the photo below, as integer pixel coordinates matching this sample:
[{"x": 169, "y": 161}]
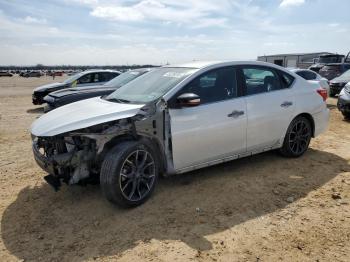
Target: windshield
[
  {"x": 124, "y": 78},
  {"x": 151, "y": 86},
  {"x": 329, "y": 59},
  {"x": 345, "y": 76},
  {"x": 72, "y": 78}
]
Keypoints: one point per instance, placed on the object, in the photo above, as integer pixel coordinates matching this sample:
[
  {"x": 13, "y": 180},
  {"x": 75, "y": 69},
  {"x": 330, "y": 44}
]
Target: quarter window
[
  {"x": 261, "y": 80},
  {"x": 216, "y": 85},
  {"x": 106, "y": 76},
  {"x": 286, "y": 79},
  {"x": 307, "y": 75}
]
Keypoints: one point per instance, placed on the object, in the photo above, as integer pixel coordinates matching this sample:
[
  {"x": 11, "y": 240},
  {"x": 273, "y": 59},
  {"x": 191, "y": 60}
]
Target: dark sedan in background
[
  {"x": 70, "y": 95},
  {"x": 86, "y": 78},
  {"x": 338, "y": 83}
]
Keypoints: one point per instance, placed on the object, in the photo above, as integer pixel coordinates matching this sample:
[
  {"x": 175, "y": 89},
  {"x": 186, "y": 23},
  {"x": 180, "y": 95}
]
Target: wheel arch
[
  {"x": 150, "y": 141},
  {"x": 311, "y": 120}
]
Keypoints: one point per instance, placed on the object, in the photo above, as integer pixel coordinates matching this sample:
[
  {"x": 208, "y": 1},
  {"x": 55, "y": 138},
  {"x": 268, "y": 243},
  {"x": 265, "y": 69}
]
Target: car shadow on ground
[
  {"x": 332, "y": 107},
  {"x": 78, "y": 224},
  {"x": 38, "y": 110}
]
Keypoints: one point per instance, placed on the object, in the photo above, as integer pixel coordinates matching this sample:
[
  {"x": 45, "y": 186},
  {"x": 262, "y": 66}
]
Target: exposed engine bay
[{"x": 75, "y": 157}]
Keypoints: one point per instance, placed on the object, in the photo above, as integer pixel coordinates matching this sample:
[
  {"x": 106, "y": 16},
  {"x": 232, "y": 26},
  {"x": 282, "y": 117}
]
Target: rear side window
[
  {"x": 108, "y": 76},
  {"x": 307, "y": 75},
  {"x": 261, "y": 80},
  {"x": 286, "y": 80},
  {"x": 310, "y": 75},
  {"x": 301, "y": 73}
]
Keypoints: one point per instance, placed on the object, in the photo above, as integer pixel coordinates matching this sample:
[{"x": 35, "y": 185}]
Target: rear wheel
[
  {"x": 298, "y": 138},
  {"x": 129, "y": 173}
]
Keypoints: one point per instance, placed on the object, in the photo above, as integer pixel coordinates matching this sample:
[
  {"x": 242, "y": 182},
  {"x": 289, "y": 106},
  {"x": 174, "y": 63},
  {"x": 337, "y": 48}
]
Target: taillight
[{"x": 323, "y": 92}]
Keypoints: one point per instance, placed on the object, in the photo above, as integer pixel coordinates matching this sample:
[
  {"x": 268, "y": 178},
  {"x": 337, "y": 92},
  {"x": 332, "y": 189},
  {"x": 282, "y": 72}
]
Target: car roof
[
  {"x": 100, "y": 71},
  {"x": 140, "y": 70},
  {"x": 206, "y": 64},
  {"x": 337, "y": 64},
  {"x": 300, "y": 69}
]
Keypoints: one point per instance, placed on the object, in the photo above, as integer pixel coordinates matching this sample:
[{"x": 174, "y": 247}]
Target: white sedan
[
  {"x": 176, "y": 119},
  {"x": 312, "y": 76}
]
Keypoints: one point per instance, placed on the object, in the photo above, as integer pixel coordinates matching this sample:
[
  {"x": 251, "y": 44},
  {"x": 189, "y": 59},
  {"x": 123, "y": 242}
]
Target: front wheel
[
  {"x": 129, "y": 173},
  {"x": 298, "y": 138}
]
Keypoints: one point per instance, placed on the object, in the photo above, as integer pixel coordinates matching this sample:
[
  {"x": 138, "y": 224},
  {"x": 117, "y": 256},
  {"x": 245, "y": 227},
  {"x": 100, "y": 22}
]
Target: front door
[{"x": 215, "y": 129}]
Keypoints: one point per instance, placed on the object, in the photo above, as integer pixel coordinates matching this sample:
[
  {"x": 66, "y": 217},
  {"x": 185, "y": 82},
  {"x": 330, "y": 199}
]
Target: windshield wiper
[{"x": 118, "y": 100}]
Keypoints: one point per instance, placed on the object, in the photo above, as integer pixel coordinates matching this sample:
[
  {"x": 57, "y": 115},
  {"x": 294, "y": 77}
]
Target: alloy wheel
[
  {"x": 137, "y": 175},
  {"x": 299, "y": 137}
]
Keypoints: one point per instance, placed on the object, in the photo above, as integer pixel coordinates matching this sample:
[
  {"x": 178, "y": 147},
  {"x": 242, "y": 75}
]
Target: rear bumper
[{"x": 321, "y": 120}]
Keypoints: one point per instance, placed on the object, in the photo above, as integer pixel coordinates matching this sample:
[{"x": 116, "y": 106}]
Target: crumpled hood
[
  {"x": 81, "y": 114},
  {"x": 49, "y": 86},
  {"x": 70, "y": 91}
]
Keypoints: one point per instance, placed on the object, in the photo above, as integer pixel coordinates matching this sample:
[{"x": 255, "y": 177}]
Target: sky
[{"x": 116, "y": 32}]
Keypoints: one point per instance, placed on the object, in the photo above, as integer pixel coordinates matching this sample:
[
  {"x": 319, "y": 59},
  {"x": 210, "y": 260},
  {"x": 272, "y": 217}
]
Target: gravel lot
[{"x": 262, "y": 208}]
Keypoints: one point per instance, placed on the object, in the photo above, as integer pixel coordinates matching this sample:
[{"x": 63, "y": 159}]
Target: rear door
[
  {"x": 216, "y": 129},
  {"x": 270, "y": 106}
]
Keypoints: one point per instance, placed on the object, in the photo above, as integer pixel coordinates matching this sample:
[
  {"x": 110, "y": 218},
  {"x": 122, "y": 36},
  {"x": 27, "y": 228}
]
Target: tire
[
  {"x": 298, "y": 137},
  {"x": 123, "y": 179},
  {"x": 346, "y": 115}
]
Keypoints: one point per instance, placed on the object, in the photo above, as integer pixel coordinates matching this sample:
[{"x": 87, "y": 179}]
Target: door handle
[
  {"x": 236, "y": 114},
  {"x": 286, "y": 104}
]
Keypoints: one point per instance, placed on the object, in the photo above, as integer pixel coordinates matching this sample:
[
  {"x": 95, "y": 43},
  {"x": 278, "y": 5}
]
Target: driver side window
[
  {"x": 214, "y": 86},
  {"x": 85, "y": 79}
]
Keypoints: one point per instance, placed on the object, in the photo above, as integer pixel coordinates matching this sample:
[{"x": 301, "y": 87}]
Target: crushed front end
[{"x": 68, "y": 159}]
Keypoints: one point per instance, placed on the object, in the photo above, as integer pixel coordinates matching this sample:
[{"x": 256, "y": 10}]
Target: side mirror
[{"x": 188, "y": 100}]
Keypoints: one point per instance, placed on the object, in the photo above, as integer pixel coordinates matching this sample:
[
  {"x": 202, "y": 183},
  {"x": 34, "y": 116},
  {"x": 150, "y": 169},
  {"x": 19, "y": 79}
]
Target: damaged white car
[{"x": 177, "y": 119}]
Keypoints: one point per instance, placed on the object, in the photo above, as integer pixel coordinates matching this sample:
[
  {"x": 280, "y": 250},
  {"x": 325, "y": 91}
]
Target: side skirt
[{"x": 225, "y": 159}]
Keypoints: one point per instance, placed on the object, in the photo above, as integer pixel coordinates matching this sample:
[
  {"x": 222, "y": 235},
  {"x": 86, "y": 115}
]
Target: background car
[
  {"x": 344, "y": 101},
  {"x": 4, "y": 73},
  {"x": 327, "y": 59},
  {"x": 176, "y": 119},
  {"x": 70, "y": 95},
  {"x": 331, "y": 71},
  {"x": 86, "y": 78},
  {"x": 338, "y": 83},
  {"x": 32, "y": 74},
  {"x": 312, "y": 76}
]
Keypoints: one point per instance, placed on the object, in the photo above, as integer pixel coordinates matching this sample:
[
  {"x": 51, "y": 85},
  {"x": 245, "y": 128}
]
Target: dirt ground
[{"x": 262, "y": 208}]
